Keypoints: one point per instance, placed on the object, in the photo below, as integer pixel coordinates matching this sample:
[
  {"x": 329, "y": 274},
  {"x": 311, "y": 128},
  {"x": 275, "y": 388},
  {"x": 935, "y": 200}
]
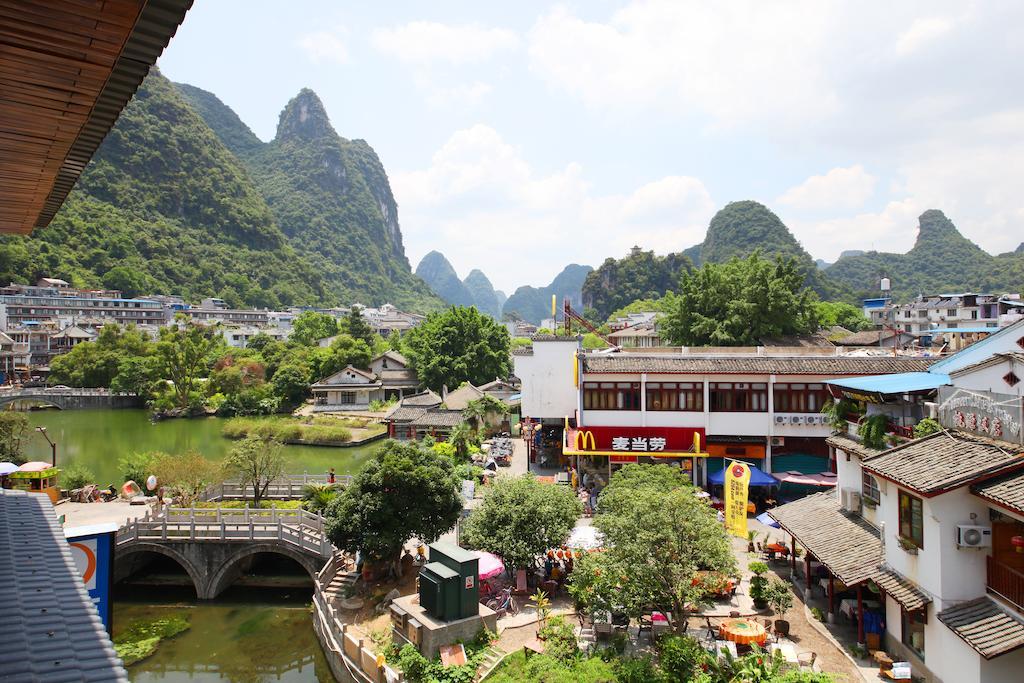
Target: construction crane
[{"x": 568, "y": 315}]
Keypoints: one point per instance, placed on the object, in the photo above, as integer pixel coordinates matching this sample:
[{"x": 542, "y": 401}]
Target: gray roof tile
[
  {"x": 985, "y": 626},
  {"x": 1007, "y": 490},
  {"x": 800, "y": 365}
]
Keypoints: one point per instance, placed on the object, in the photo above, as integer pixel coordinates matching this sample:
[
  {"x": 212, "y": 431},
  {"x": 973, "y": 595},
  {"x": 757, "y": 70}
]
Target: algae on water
[{"x": 142, "y": 637}]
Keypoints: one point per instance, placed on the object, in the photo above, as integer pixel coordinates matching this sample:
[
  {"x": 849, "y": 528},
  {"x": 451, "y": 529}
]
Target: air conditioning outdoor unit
[
  {"x": 972, "y": 536},
  {"x": 778, "y": 441},
  {"x": 854, "y": 502},
  {"x": 782, "y": 419},
  {"x": 798, "y": 419}
]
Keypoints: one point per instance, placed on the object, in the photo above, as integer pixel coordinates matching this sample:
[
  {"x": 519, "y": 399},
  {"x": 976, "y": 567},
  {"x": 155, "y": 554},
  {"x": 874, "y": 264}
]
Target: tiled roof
[
  {"x": 985, "y": 626},
  {"x": 395, "y": 356},
  {"x": 1007, "y": 490},
  {"x": 944, "y": 461},
  {"x": 405, "y": 414},
  {"x": 438, "y": 418},
  {"x": 848, "y": 445},
  {"x": 50, "y": 630},
  {"x": 522, "y": 351},
  {"x": 864, "y": 338},
  {"x": 553, "y": 338},
  {"x": 809, "y": 365},
  {"x": 424, "y": 398},
  {"x": 848, "y": 546}
]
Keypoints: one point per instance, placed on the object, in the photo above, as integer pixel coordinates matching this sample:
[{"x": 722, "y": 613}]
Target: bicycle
[{"x": 504, "y": 602}]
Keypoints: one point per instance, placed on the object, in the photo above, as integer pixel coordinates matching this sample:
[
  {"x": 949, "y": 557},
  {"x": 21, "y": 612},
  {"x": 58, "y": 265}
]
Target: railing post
[
  {"x": 164, "y": 534},
  {"x": 192, "y": 524}
]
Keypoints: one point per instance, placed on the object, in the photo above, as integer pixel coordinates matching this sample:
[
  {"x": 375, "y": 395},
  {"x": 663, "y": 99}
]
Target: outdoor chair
[{"x": 806, "y": 660}]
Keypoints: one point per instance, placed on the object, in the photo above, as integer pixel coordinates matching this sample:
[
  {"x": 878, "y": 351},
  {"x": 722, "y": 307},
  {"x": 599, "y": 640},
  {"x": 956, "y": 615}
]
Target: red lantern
[{"x": 1018, "y": 543}]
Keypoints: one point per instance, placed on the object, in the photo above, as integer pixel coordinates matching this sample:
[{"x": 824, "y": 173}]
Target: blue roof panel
[{"x": 901, "y": 383}]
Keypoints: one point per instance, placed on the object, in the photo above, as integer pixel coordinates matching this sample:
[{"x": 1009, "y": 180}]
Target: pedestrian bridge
[
  {"x": 287, "y": 487},
  {"x": 215, "y": 547},
  {"x": 71, "y": 399}
]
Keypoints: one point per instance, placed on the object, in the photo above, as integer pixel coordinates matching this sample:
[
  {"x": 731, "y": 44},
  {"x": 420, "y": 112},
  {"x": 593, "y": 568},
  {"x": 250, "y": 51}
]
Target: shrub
[
  {"x": 779, "y": 597},
  {"x": 136, "y": 467},
  {"x": 925, "y": 427},
  {"x": 681, "y": 657},
  {"x": 638, "y": 670},
  {"x": 75, "y": 476},
  {"x": 559, "y": 638},
  {"x": 817, "y": 613}
]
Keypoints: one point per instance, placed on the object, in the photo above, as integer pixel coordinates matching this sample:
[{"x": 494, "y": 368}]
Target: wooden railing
[
  {"x": 288, "y": 487},
  {"x": 1006, "y": 582},
  {"x": 300, "y": 528}
]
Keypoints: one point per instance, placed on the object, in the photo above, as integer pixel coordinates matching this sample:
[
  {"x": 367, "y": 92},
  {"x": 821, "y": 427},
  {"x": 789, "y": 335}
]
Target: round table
[{"x": 742, "y": 631}]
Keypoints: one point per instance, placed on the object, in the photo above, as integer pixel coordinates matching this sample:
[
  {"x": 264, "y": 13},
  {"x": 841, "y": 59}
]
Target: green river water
[{"x": 245, "y": 636}]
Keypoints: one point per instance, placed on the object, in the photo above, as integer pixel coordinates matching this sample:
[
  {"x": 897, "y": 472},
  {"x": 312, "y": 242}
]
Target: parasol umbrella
[
  {"x": 766, "y": 520},
  {"x": 757, "y": 478},
  {"x": 489, "y": 565},
  {"x": 7, "y": 468},
  {"x": 35, "y": 466}
]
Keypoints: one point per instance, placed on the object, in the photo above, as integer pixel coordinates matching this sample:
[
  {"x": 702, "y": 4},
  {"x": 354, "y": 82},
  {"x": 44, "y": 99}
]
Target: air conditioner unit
[
  {"x": 797, "y": 419},
  {"x": 971, "y": 536},
  {"x": 782, "y": 419},
  {"x": 854, "y": 502},
  {"x": 778, "y": 441}
]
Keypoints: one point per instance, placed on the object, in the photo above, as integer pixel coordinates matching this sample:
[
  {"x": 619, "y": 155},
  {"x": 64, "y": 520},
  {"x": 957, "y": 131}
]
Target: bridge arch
[
  {"x": 224, "y": 575},
  {"x": 38, "y": 399},
  {"x": 126, "y": 553}
]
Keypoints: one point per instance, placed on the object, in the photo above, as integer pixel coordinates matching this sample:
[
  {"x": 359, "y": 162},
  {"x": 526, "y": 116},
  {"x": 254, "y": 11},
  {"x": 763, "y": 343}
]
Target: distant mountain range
[
  {"x": 532, "y": 304},
  {"x": 182, "y": 198}
]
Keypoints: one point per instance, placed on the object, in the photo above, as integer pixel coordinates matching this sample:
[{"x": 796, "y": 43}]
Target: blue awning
[
  {"x": 757, "y": 477},
  {"x": 900, "y": 383}
]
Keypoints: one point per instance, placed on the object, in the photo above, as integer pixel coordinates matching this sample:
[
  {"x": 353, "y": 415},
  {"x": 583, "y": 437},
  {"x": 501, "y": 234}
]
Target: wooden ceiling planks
[{"x": 67, "y": 69}]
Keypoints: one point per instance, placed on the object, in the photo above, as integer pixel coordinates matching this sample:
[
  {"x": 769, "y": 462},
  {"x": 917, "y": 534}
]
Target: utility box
[{"x": 448, "y": 583}]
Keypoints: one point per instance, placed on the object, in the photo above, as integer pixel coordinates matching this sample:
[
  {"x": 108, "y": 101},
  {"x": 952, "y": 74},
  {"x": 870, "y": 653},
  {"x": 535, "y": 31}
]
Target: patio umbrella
[
  {"x": 766, "y": 520},
  {"x": 489, "y": 565},
  {"x": 7, "y": 468},
  {"x": 757, "y": 478},
  {"x": 35, "y": 466},
  {"x": 820, "y": 479}
]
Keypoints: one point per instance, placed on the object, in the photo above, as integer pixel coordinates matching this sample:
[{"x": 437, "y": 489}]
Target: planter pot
[
  {"x": 750, "y": 547},
  {"x": 782, "y": 627},
  {"x": 761, "y": 604}
]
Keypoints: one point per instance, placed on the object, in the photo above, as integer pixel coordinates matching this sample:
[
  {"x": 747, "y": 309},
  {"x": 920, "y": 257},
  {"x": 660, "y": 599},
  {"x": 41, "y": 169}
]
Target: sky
[{"x": 520, "y": 137}]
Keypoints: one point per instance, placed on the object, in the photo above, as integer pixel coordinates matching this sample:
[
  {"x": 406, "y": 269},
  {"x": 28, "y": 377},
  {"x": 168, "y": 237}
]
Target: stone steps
[{"x": 490, "y": 660}]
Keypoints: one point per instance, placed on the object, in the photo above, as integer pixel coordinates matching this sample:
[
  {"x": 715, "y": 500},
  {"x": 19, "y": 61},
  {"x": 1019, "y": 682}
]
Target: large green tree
[
  {"x": 96, "y": 364},
  {"x": 740, "y": 302},
  {"x": 404, "y": 491},
  {"x": 14, "y": 428},
  {"x": 256, "y": 462},
  {"x": 658, "y": 534},
  {"x": 355, "y": 325},
  {"x": 311, "y": 326},
  {"x": 458, "y": 345},
  {"x": 521, "y": 518},
  {"x": 185, "y": 354},
  {"x": 830, "y": 313}
]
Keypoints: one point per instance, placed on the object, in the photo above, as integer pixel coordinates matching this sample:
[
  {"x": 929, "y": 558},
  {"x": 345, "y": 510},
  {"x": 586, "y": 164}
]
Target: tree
[
  {"x": 405, "y": 490},
  {"x": 311, "y": 326},
  {"x": 291, "y": 383},
  {"x": 186, "y": 475},
  {"x": 462, "y": 438},
  {"x": 135, "y": 375},
  {"x": 13, "y": 429},
  {"x": 832, "y": 313},
  {"x": 130, "y": 282},
  {"x": 184, "y": 355},
  {"x": 345, "y": 350},
  {"x": 658, "y": 535},
  {"x": 480, "y": 410},
  {"x": 355, "y": 325},
  {"x": 458, "y": 345},
  {"x": 256, "y": 462},
  {"x": 521, "y": 518},
  {"x": 741, "y": 302}
]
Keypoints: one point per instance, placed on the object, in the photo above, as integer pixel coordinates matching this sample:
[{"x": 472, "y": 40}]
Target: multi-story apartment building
[
  {"x": 926, "y": 537},
  {"x": 926, "y": 314},
  {"x": 39, "y": 304}
]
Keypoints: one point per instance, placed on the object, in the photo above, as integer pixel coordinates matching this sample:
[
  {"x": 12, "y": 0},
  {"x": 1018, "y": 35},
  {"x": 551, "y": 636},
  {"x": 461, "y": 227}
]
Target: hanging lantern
[{"x": 1018, "y": 543}]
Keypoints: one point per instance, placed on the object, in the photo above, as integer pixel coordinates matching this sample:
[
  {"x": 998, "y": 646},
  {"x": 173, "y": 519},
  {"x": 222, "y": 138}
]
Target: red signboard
[{"x": 634, "y": 439}]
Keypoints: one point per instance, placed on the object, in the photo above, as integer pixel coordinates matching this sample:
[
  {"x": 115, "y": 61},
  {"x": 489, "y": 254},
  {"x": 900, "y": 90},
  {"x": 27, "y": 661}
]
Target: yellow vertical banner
[{"x": 737, "y": 482}]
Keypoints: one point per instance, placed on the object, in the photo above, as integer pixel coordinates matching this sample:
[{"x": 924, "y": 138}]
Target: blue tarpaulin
[
  {"x": 899, "y": 383},
  {"x": 757, "y": 477},
  {"x": 767, "y": 521}
]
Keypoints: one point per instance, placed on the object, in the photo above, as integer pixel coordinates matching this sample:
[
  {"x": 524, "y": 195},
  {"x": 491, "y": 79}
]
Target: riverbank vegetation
[
  {"x": 315, "y": 430},
  {"x": 142, "y": 638},
  {"x": 14, "y": 429}
]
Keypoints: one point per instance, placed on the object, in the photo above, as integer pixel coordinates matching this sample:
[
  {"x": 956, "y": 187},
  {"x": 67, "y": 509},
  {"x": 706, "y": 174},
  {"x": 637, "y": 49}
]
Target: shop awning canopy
[
  {"x": 757, "y": 477},
  {"x": 820, "y": 479},
  {"x": 900, "y": 383}
]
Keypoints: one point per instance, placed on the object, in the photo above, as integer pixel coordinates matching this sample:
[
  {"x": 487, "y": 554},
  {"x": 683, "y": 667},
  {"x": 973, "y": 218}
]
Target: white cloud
[
  {"x": 325, "y": 47},
  {"x": 840, "y": 188},
  {"x": 480, "y": 196},
  {"x": 893, "y": 229},
  {"x": 921, "y": 33},
  {"x": 426, "y": 41}
]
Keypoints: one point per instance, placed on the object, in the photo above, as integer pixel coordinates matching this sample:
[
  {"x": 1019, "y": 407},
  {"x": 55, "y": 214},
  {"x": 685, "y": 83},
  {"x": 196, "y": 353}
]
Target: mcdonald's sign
[
  {"x": 584, "y": 438},
  {"x": 654, "y": 441}
]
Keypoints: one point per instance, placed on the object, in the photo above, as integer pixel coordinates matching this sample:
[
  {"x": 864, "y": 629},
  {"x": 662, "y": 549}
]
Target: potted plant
[
  {"x": 751, "y": 537},
  {"x": 781, "y": 600},
  {"x": 908, "y": 545},
  {"x": 758, "y": 584}
]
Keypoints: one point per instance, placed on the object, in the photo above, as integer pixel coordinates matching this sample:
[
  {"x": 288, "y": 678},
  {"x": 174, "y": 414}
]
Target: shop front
[
  {"x": 750, "y": 450},
  {"x": 607, "y": 449}
]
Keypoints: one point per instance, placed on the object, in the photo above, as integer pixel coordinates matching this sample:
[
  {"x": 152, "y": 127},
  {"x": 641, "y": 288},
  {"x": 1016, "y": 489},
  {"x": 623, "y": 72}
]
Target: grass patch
[
  {"x": 142, "y": 638},
  {"x": 318, "y": 430},
  {"x": 241, "y": 504}
]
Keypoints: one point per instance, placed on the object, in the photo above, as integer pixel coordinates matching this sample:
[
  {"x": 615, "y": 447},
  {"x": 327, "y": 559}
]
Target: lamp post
[{"x": 53, "y": 445}]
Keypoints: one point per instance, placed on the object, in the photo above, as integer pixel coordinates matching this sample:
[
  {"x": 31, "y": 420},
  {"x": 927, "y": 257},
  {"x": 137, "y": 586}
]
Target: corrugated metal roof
[
  {"x": 899, "y": 383},
  {"x": 49, "y": 628},
  {"x": 945, "y": 460},
  {"x": 801, "y": 365},
  {"x": 985, "y": 626}
]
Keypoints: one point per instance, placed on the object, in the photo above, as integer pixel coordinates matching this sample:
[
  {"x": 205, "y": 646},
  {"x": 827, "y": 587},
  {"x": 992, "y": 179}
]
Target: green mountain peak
[{"x": 305, "y": 118}]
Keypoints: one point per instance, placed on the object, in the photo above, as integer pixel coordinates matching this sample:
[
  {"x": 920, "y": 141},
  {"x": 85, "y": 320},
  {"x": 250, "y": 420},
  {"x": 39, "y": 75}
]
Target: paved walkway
[{"x": 84, "y": 514}]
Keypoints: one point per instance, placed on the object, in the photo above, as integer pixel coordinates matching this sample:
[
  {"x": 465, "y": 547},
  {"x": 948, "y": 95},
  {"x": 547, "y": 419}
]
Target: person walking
[{"x": 331, "y": 478}]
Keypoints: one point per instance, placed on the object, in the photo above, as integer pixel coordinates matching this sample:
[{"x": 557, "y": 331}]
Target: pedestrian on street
[{"x": 330, "y": 476}]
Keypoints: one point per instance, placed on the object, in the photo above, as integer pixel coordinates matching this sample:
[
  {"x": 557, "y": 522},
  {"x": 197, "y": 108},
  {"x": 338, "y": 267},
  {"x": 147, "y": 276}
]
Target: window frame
[
  {"x": 624, "y": 396},
  {"x": 869, "y": 488},
  {"x": 787, "y": 398},
  {"x": 907, "y": 526},
  {"x": 910, "y": 619},
  {"x": 680, "y": 397},
  {"x": 738, "y": 397}
]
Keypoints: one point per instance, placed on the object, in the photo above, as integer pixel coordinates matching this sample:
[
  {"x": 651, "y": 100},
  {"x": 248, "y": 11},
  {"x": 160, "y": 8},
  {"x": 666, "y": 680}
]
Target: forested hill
[
  {"x": 736, "y": 231},
  {"x": 165, "y": 207},
  {"x": 484, "y": 297},
  {"x": 533, "y": 304},
  {"x": 330, "y": 196},
  {"x": 438, "y": 273},
  {"x": 941, "y": 260}
]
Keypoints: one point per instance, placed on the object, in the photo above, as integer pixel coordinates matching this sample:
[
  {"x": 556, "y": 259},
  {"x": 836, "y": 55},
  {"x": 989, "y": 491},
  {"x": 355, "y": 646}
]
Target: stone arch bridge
[
  {"x": 71, "y": 399},
  {"x": 214, "y": 545}
]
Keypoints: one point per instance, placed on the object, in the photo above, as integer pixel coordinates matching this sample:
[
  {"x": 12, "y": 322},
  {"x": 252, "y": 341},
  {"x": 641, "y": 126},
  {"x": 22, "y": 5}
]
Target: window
[
  {"x": 912, "y": 631},
  {"x": 799, "y": 398},
  {"x": 684, "y": 396},
  {"x": 869, "y": 488},
  {"x": 974, "y": 315},
  {"x": 611, "y": 396},
  {"x": 347, "y": 397},
  {"x": 911, "y": 519},
  {"x": 951, "y": 312},
  {"x": 739, "y": 397},
  {"x": 1011, "y": 379}
]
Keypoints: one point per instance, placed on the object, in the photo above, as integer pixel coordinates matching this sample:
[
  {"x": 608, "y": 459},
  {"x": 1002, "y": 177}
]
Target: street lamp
[{"x": 53, "y": 446}]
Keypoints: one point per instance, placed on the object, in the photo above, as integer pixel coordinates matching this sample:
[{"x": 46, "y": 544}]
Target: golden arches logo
[{"x": 583, "y": 438}]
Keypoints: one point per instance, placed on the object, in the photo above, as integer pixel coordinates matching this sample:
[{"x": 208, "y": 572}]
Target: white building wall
[
  {"x": 991, "y": 378},
  {"x": 547, "y": 376},
  {"x": 950, "y": 658},
  {"x": 1008, "y": 668}
]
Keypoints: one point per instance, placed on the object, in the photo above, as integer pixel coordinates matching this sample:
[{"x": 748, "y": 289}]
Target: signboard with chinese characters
[
  {"x": 737, "y": 481},
  {"x": 652, "y": 441},
  {"x": 998, "y": 416}
]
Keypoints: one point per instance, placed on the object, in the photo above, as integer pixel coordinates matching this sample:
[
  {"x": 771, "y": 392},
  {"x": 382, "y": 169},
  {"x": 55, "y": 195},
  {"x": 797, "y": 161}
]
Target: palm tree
[{"x": 316, "y": 497}]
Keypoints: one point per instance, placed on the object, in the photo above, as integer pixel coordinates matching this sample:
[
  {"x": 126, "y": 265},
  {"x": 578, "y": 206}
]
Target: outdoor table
[
  {"x": 788, "y": 653},
  {"x": 725, "y": 645},
  {"x": 848, "y": 606},
  {"x": 777, "y": 548},
  {"x": 742, "y": 631}
]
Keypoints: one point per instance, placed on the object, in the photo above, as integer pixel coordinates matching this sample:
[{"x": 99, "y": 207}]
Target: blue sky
[{"x": 519, "y": 137}]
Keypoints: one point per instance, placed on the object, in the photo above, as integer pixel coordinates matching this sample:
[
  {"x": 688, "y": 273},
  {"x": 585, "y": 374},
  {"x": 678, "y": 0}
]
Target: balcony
[{"x": 1005, "y": 582}]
